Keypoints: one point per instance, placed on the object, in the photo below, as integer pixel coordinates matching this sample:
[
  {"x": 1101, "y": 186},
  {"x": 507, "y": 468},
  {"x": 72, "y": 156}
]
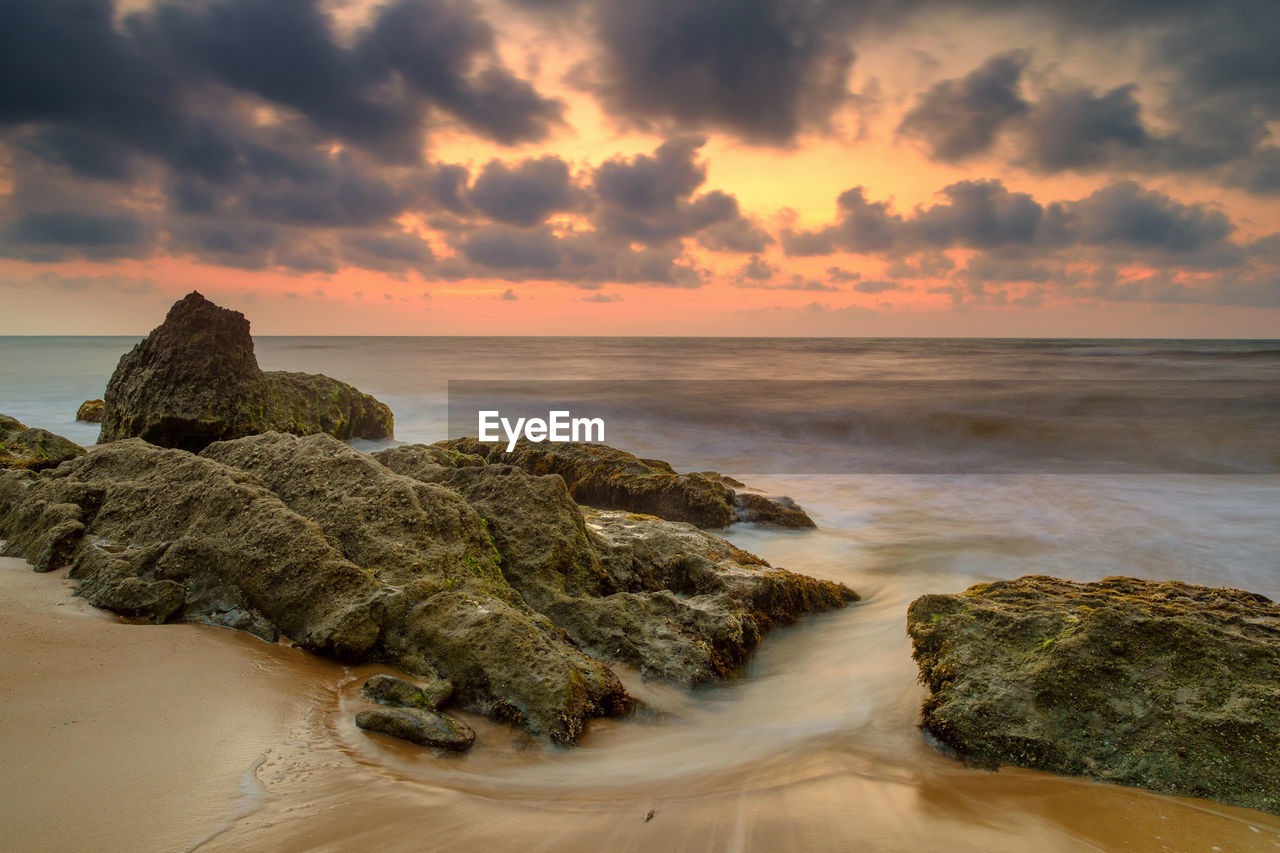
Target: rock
[
  {"x": 90, "y": 411},
  {"x": 422, "y": 558},
  {"x": 770, "y": 510},
  {"x": 195, "y": 380},
  {"x": 418, "y": 726},
  {"x": 1164, "y": 686},
  {"x": 32, "y": 448},
  {"x": 390, "y": 690},
  {"x": 433, "y": 552},
  {"x": 677, "y": 603},
  {"x": 691, "y": 606},
  {"x": 607, "y": 478},
  {"x": 129, "y": 516}
]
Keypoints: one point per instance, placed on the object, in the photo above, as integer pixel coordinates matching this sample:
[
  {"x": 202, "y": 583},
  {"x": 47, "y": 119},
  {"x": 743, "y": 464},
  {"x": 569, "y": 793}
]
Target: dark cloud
[
  {"x": 842, "y": 276},
  {"x": 957, "y": 119},
  {"x": 66, "y": 234},
  {"x": 1222, "y": 94},
  {"x": 877, "y": 286},
  {"x": 796, "y": 282},
  {"x": 762, "y": 69},
  {"x": 508, "y": 295},
  {"x": 1078, "y": 129},
  {"x": 757, "y": 269},
  {"x": 586, "y": 259},
  {"x": 506, "y": 248},
  {"x": 653, "y": 184},
  {"x": 525, "y": 194},
  {"x": 986, "y": 215},
  {"x": 389, "y": 251},
  {"x": 649, "y": 199},
  {"x": 602, "y": 298}
]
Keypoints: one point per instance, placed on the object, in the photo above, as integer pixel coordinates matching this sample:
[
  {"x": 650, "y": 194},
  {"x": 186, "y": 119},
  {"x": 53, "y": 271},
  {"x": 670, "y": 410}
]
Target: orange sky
[{"x": 777, "y": 186}]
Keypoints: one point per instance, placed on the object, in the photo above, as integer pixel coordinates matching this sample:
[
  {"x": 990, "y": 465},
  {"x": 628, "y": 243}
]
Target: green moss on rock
[{"x": 1166, "y": 686}]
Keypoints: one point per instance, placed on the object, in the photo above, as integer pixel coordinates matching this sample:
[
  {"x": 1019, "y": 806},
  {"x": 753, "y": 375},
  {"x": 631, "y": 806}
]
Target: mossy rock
[
  {"x": 33, "y": 449},
  {"x": 1161, "y": 685}
]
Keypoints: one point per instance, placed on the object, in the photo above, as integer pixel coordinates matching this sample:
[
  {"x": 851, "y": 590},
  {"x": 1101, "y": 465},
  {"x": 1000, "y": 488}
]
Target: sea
[{"x": 928, "y": 466}]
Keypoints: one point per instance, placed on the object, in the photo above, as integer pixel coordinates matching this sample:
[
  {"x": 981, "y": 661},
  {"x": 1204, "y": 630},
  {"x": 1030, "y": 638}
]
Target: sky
[{"x": 1101, "y": 168}]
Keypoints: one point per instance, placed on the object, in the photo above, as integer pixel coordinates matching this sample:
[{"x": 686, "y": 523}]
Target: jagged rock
[
  {"x": 130, "y": 511},
  {"x": 691, "y": 606},
  {"x": 390, "y": 690},
  {"x": 195, "y": 380},
  {"x": 770, "y": 510},
  {"x": 607, "y": 478},
  {"x": 674, "y": 601},
  {"x": 1166, "y": 686},
  {"x": 90, "y": 411},
  {"x": 423, "y": 558},
  {"x": 418, "y": 726},
  {"x": 32, "y": 448}
]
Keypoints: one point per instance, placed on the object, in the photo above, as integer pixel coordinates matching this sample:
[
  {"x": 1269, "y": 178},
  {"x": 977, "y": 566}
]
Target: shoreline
[{"x": 187, "y": 736}]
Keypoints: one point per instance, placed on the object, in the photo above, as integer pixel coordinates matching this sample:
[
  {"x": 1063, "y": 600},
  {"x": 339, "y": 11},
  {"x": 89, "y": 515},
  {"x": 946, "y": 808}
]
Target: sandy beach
[{"x": 123, "y": 736}]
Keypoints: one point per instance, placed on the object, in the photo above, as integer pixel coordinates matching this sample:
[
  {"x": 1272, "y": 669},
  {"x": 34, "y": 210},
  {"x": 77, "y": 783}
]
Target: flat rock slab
[
  {"x": 1165, "y": 686},
  {"x": 418, "y": 726}
]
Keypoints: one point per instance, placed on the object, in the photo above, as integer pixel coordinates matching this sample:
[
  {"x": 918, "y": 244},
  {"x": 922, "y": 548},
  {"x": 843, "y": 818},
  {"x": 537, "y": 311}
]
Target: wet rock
[
  {"x": 153, "y": 514},
  {"x": 607, "y": 478},
  {"x": 195, "y": 380},
  {"x": 418, "y": 726},
  {"x": 32, "y": 448},
  {"x": 668, "y": 598},
  {"x": 390, "y": 690},
  {"x": 457, "y": 613},
  {"x": 770, "y": 510},
  {"x": 90, "y": 411},
  {"x": 691, "y": 606},
  {"x": 423, "y": 558},
  {"x": 1164, "y": 686}
]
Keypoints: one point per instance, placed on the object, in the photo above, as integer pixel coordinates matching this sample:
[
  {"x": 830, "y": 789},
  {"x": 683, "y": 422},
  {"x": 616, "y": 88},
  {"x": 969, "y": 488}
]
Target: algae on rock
[
  {"x": 1161, "y": 685},
  {"x": 195, "y": 380},
  {"x": 33, "y": 448}
]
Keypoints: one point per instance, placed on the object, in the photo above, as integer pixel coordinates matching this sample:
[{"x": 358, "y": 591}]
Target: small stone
[
  {"x": 390, "y": 690},
  {"x": 418, "y": 726},
  {"x": 90, "y": 411}
]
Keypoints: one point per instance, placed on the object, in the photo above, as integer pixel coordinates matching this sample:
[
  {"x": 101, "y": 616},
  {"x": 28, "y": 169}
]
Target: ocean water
[{"x": 928, "y": 465}]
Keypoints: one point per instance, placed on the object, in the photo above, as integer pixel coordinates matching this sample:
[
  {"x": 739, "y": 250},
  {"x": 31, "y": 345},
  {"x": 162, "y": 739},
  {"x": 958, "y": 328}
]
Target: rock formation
[
  {"x": 195, "y": 380},
  {"x": 607, "y": 478},
  {"x": 90, "y": 411},
  {"x": 482, "y": 575},
  {"x": 1166, "y": 686},
  {"x": 32, "y": 448},
  {"x": 665, "y": 597}
]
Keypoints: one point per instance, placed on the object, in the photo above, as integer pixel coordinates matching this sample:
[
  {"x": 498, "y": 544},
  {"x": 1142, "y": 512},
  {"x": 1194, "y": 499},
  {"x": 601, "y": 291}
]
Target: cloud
[
  {"x": 796, "y": 282},
  {"x": 986, "y": 215},
  {"x": 757, "y": 269},
  {"x": 957, "y": 119},
  {"x": 525, "y": 194},
  {"x": 508, "y": 295},
  {"x": 511, "y": 248},
  {"x": 876, "y": 286},
  {"x": 602, "y": 297},
  {"x": 1078, "y": 129},
  {"x": 762, "y": 69},
  {"x": 65, "y": 234},
  {"x": 650, "y": 199},
  {"x": 127, "y": 284}
]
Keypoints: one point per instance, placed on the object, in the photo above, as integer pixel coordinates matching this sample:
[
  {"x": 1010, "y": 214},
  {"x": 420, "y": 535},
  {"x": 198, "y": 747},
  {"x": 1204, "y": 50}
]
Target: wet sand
[{"x": 137, "y": 737}]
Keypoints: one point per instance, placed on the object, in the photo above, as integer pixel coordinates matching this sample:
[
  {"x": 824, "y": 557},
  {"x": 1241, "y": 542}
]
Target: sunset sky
[{"x": 671, "y": 167}]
